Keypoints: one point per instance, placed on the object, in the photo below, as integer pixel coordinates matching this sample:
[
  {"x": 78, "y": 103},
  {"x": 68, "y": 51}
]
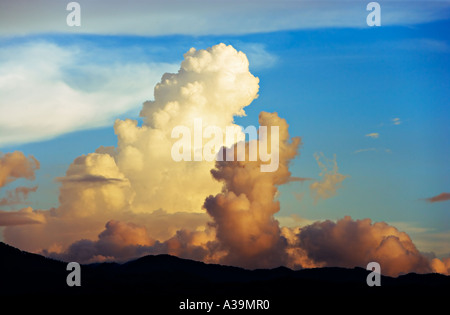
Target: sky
[{"x": 86, "y": 173}]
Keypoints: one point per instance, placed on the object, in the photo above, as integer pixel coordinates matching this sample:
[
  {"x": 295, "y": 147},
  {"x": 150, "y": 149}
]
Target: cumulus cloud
[
  {"x": 243, "y": 212},
  {"x": 48, "y": 90},
  {"x": 441, "y": 266},
  {"x": 349, "y": 243},
  {"x": 244, "y": 231},
  {"x": 331, "y": 179},
  {"x": 17, "y": 196},
  {"x": 130, "y": 200},
  {"x": 121, "y": 241},
  {"x": 59, "y": 231},
  {"x": 16, "y": 165},
  {"x": 93, "y": 192},
  {"x": 118, "y": 241},
  {"x": 439, "y": 198},
  {"x": 94, "y": 185},
  {"x": 213, "y": 84},
  {"x": 138, "y": 181},
  {"x": 426, "y": 237}
]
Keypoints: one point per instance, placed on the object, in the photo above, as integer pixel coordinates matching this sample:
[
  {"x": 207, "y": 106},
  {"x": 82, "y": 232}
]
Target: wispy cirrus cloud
[
  {"x": 258, "y": 55},
  {"x": 202, "y": 17},
  {"x": 49, "y": 90}
]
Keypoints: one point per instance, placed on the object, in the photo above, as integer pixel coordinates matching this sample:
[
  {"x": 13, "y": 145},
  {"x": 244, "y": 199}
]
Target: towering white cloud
[
  {"x": 138, "y": 181},
  {"x": 214, "y": 85},
  {"x": 134, "y": 199}
]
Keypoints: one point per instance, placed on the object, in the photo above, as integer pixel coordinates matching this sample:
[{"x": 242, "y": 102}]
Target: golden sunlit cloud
[
  {"x": 16, "y": 165},
  {"x": 139, "y": 178},
  {"x": 133, "y": 199},
  {"x": 243, "y": 212},
  {"x": 349, "y": 243},
  {"x": 331, "y": 179},
  {"x": 17, "y": 196},
  {"x": 21, "y": 217}
]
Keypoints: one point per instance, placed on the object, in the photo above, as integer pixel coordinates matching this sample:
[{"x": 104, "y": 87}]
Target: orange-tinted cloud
[
  {"x": 21, "y": 217},
  {"x": 214, "y": 85},
  {"x": 331, "y": 179},
  {"x": 138, "y": 181},
  {"x": 16, "y": 165},
  {"x": 350, "y": 243},
  {"x": 441, "y": 197},
  {"x": 441, "y": 266},
  {"x": 118, "y": 241},
  {"x": 122, "y": 241},
  {"x": 13, "y": 166},
  {"x": 123, "y": 202},
  {"x": 17, "y": 196},
  {"x": 243, "y": 212}
]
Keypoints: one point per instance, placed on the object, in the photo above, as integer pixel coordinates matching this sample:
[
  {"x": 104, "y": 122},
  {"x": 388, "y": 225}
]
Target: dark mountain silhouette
[{"x": 169, "y": 280}]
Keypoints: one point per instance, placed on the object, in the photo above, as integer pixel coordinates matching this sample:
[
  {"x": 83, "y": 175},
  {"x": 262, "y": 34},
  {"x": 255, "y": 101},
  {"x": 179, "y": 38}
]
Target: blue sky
[{"x": 334, "y": 85}]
